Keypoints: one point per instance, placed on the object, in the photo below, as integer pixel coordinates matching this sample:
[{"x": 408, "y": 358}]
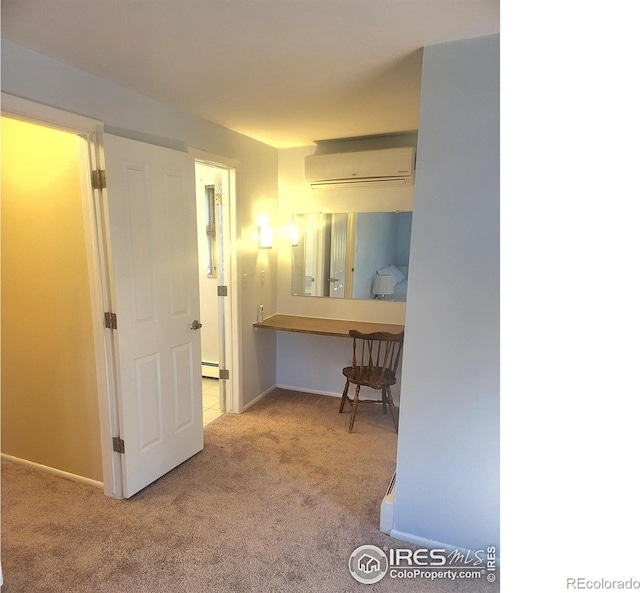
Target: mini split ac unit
[{"x": 370, "y": 168}]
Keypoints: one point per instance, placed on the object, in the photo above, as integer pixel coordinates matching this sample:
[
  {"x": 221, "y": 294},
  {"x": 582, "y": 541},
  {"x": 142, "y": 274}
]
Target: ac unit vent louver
[{"x": 369, "y": 168}]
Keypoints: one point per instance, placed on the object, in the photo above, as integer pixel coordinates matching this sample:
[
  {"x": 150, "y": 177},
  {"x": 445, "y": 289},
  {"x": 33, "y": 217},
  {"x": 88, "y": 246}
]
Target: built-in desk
[{"x": 322, "y": 326}]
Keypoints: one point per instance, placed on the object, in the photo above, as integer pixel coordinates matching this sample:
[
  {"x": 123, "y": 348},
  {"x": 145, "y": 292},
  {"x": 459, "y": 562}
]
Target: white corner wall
[{"x": 447, "y": 487}]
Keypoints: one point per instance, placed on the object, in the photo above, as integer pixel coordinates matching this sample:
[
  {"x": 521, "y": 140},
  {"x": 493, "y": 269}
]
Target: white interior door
[{"x": 154, "y": 267}]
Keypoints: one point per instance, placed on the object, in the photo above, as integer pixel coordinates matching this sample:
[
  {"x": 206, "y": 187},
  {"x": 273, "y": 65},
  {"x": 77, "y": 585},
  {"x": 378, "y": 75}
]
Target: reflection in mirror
[{"x": 359, "y": 255}]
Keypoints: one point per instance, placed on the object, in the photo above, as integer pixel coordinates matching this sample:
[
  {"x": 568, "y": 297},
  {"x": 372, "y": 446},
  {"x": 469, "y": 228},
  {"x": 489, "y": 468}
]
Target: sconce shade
[
  {"x": 382, "y": 284},
  {"x": 265, "y": 237},
  {"x": 265, "y": 232}
]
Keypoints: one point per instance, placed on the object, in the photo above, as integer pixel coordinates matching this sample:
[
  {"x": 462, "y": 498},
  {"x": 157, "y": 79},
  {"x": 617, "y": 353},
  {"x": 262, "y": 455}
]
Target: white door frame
[
  {"x": 96, "y": 236},
  {"x": 232, "y": 306}
]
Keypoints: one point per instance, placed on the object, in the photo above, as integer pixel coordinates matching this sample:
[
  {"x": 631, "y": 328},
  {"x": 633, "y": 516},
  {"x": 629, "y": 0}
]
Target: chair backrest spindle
[{"x": 378, "y": 355}]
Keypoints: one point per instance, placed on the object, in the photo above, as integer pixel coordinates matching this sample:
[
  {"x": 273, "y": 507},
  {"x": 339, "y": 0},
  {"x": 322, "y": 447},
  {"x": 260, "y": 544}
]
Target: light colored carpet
[{"x": 276, "y": 502}]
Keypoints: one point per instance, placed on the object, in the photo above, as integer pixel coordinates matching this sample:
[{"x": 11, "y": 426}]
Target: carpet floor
[{"x": 276, "y": 502}]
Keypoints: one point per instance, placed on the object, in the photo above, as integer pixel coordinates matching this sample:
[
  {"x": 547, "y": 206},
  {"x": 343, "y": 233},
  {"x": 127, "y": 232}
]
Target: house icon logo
[{"x": 368, "y": 564}]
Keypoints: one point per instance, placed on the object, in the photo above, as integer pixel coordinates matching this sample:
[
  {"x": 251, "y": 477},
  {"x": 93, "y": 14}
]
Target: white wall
[
  {"x": 447, "y": 487},
  {"x": 41, "y": 79},
  {"x": 330, "y": 354}
]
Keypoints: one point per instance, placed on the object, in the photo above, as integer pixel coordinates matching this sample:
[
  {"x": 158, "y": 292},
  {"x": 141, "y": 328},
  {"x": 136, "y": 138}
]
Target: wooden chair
[{"x": 374, "y": 364}]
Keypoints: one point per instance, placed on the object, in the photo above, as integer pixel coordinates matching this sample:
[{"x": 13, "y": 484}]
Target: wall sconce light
[
  {"x": 265, "y": 232},
  {"x": 382, "y": 284}
]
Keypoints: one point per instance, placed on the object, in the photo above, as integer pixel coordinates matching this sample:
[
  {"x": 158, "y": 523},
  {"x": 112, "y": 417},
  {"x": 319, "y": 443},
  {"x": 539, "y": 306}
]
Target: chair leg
[
  {"x": 386, "y": 394},
  {"x": 345, "y": 397},
  {"x": 354, "y": 408}
]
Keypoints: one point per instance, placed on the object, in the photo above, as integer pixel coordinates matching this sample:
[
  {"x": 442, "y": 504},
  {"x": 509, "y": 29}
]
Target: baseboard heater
[
  {"x": 387, "y": 507},
  {"x": 211, "y": 369}
]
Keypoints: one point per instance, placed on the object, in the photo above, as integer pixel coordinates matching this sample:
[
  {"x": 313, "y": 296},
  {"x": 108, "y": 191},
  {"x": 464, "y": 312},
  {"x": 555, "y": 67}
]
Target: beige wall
[{"x": 49, "y": 393}]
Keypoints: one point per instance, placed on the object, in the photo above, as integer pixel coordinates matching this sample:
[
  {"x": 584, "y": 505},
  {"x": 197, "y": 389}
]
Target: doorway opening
[
  {"x": 212, "y": 182},
  {"x": 50, "y": 394}
]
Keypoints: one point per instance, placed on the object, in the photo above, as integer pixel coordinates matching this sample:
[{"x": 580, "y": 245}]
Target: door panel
[
  {"x": 147, "y": 399},
  {"x": 179, "y": 242},
  {"x": 183, "y": 386},
  {"x": 139, "y": 230},
  {"x": 151, "y": 204}
]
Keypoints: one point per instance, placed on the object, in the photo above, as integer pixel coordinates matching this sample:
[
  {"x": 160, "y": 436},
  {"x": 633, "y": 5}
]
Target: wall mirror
[{"x": 354, "y": 255}]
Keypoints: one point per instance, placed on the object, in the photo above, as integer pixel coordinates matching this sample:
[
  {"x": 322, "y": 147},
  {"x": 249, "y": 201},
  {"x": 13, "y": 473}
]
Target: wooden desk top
[{"x": 324, "y": 327}]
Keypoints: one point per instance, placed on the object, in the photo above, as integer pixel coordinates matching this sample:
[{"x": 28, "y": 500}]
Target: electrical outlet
[
  {"x": 262, "y": 276},
  {"x": 245, "y": 282}
]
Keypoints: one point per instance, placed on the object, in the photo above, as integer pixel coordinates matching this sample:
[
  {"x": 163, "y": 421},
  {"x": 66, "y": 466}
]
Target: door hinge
[
  {"x": 98, "y": 179},
  {"x": 118, "y": 445},
  {"x": 110, "y": 321},
  {"x": 223, "y": 374},
  {"x": 223, "y": 290}
]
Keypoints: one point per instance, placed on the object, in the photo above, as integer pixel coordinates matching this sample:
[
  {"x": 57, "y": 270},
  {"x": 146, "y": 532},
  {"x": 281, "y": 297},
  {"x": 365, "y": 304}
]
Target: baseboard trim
[
  {"x": 423, "y": 542},
  {"x": 52, "y": 470},
  {"x": 306, "y": 390},
  {"x": 210, "y": 370},
  {"x": 255, "y": 400},
  {"x": 365, "y": 394}
]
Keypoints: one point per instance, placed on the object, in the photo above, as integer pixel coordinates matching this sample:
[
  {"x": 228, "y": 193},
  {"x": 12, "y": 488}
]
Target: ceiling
[{"x": 286, "y": 72}]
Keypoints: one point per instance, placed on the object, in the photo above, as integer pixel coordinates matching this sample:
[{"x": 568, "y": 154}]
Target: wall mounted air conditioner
[{"x": 371, "y": 168}]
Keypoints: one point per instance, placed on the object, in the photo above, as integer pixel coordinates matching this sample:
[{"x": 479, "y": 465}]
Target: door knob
[{"x": 196, "y": 324}]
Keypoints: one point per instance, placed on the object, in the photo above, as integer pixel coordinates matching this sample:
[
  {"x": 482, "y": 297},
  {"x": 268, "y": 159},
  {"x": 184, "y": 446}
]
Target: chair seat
[{"x": 374, "y": 377}]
